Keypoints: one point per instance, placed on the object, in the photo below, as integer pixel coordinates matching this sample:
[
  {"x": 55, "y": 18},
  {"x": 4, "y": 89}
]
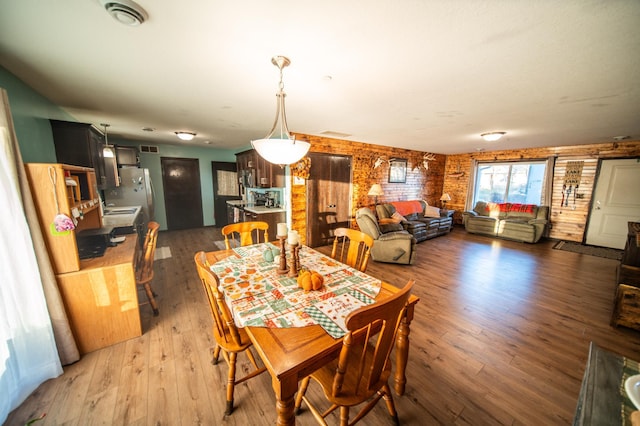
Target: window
[{"x": 513, "y": 182}]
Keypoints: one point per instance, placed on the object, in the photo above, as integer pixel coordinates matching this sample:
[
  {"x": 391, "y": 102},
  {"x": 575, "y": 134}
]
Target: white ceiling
[{"x": 418, "y": 74}]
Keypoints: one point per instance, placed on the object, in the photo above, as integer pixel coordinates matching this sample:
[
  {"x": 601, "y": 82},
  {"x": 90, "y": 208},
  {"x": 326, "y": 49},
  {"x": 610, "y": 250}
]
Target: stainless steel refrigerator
[{"x": 135, "y": 189}]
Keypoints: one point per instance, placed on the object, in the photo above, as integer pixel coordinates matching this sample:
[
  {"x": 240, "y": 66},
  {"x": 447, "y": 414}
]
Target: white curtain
[{"x": 28, "y": 354}]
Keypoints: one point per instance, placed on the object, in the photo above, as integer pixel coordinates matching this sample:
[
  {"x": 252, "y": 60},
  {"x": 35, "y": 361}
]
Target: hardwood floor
[{"x": 501, "y": 336}]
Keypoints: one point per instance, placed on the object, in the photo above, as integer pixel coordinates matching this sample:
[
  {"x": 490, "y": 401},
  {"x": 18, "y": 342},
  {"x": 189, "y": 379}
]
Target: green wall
[{"x": 31, "y": 113}]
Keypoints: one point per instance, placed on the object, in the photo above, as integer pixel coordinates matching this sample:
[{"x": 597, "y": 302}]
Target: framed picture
[{"x": 397, "y": 170}]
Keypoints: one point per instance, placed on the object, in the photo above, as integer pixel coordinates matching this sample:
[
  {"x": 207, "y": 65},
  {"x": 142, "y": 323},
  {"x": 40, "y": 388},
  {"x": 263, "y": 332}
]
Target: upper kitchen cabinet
[
  {"x": 258, "y": 171},
  {"x": 269, "y": 175},
  {"x": 81, "y": 144}
]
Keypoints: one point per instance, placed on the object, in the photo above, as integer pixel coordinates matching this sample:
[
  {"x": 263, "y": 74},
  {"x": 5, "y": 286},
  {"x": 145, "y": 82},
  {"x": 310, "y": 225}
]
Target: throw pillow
[
  {"x": 431, "y": 211},
  {"x": 398, "y": 217}
]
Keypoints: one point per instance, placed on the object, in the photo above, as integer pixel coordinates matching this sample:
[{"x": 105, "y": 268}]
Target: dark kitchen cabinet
[
  {"x": 263, "y": 173},
  {"x": 81, "y": 144}
]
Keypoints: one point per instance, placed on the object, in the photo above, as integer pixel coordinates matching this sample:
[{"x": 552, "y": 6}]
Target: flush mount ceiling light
[
  {"x": 280, "y": 148},
  {"x": 492, "y": 136},
  {"x": 126, "y": 12},
  {"x": 185, "y": 136}
]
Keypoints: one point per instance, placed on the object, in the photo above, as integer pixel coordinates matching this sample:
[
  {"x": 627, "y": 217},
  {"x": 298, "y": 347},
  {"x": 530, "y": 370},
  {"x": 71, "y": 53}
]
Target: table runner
[{"x": 258, "y": 296}]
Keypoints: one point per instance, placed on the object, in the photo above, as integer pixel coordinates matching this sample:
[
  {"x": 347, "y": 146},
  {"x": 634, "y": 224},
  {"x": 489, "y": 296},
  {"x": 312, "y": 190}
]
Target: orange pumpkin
[
  {"x": 316, "y": 280},
  {"x": 304, "y": 280}
]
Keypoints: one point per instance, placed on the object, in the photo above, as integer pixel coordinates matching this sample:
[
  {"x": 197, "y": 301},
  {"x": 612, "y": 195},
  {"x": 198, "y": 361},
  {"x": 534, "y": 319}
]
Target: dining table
[{"x": 291, "y": 349}]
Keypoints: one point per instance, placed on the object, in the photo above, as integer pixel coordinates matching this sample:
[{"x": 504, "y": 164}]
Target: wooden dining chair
[
  {"x": 230, "y": 340},
  {"x": 352, "y": 248},
  {"x": 144, "y": 264},
  {"x": 244, "y": 231},
  {"x": 361, "y": 372}
]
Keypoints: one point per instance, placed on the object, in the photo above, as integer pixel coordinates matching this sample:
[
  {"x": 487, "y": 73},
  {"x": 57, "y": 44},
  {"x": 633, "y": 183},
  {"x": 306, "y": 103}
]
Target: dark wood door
[
  {"x": 225, "y": 188},
  {"x": 182, "y": 194},
  {"x": 328, "y": 197}
]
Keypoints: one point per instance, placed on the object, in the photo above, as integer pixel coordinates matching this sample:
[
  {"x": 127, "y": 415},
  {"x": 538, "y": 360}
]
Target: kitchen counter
[
  {"x": 254, "y": 209},
  {"x": 263, "y": 209},
  {"x": 120, "y": 216}
]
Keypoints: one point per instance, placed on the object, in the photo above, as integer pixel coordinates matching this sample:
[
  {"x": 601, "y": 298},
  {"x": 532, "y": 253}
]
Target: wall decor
[
  {"x": 397, "y": 170},
  {"x": 301, "y": 168},
  {"x": 572, "y": 176}
]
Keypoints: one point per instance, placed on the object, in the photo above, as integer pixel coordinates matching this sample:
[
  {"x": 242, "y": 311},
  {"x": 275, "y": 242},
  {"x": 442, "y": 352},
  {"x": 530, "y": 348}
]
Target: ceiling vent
[
  {"x": 126, "y": 12},
  {"x": 149, "y": 149}
]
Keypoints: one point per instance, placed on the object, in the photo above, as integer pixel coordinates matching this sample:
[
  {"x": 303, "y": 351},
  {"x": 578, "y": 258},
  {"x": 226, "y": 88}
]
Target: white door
[{"x": 616, "y": 201}]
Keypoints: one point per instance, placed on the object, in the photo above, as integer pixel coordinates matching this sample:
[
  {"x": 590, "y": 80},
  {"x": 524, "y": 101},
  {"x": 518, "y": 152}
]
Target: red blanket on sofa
[{"x": 407, "y": 207}]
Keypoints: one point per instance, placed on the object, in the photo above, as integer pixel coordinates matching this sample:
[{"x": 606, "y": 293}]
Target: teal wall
[{"x": 31, "y": 113}]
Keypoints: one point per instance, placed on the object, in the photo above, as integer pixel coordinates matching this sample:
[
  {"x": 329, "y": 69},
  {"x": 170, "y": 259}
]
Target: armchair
[{"x": 390, "y": 247}]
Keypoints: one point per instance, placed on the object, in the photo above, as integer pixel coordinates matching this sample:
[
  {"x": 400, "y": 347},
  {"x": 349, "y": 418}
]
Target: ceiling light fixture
[
  {"x": 492, "y": 136},
  {"x": 280, "y": 148},
  {"x": 185, "y": 136},
  {"x": 107, "y": 150},
  {"x": 126, "y": 12}
]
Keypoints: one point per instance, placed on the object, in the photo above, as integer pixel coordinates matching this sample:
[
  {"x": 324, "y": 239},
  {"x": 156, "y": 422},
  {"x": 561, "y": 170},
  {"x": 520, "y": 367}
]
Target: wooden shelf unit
[
  {"x": 99, "y": 294},
  {"x": 46, "y": 179}
]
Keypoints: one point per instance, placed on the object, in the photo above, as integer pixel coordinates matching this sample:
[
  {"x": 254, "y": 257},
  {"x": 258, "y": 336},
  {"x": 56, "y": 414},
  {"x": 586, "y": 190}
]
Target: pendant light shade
[{"x": 279, "y": 147}]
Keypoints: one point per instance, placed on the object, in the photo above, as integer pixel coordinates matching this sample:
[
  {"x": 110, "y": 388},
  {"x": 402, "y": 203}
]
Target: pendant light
[
  {"x": 279, "y": 147},
  {"x": 107, "y": 150}
]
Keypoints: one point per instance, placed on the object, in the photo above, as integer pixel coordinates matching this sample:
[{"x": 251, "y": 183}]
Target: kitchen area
[
  {"x": 262, "y": 191},
  {"x": 93, "y": 206}
]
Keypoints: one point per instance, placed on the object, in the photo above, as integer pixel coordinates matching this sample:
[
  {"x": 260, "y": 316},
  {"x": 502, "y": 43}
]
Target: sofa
[
  {"x": 520, "y": 222},
  {"x": 416, "y": 217},
  {"x": 393, "y": 246}
]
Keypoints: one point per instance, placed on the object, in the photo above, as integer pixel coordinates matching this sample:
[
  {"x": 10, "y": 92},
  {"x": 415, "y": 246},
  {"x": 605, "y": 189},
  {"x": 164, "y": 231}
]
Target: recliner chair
[{"x": 389, "y": 247}]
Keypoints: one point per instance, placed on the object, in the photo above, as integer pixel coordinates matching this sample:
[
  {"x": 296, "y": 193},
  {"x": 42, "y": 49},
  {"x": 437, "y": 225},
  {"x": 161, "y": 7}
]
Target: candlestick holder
[
  {"x": 296, "y": 256},
  {"x": 283, "y": 269},
  {"x": 293, "y": 271}
]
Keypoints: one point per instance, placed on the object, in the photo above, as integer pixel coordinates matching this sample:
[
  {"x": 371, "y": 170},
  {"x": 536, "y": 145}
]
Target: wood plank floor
[{"x": 500, "y": 337}]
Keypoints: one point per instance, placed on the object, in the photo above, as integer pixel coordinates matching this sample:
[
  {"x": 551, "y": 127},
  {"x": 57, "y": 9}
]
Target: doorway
[
  {"x": 225, "y": 188},
  {"x": 616, "y": 201},
  {"x": 328, "y": 197},
  {"x": 182, "y": 192}
]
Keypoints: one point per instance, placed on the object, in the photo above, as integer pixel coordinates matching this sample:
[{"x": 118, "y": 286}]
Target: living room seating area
[
  {"x": 391, "y": 243},
  {"x": 520, "y": 222},
  {"x": 417, "y": 217}
]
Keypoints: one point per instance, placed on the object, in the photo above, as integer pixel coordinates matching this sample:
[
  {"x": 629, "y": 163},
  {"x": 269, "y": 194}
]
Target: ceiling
[{"x": 417, "y": 74}]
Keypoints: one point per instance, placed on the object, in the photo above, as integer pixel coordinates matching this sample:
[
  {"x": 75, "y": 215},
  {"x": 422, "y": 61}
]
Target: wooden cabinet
[
  {"x": 99, "y": 294},
  {"x": 269, "y": 175},
  {"x": 265, "y": 174},
  {"x": 626, "y": 310},
  {"x": 81, "y": 144},
  {"x": 272, "y": 220},
  {"x": 64, "y": 189},
  {"x": 101, "y": 299}
]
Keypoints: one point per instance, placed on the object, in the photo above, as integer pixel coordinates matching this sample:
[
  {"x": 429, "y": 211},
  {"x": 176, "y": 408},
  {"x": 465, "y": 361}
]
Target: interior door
[
  {"x": 328, "y": 197},
  {"x": 616, "y": 201},
  {"x": 182, "y": 192},
  {"x": 225, "y": 188}
]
